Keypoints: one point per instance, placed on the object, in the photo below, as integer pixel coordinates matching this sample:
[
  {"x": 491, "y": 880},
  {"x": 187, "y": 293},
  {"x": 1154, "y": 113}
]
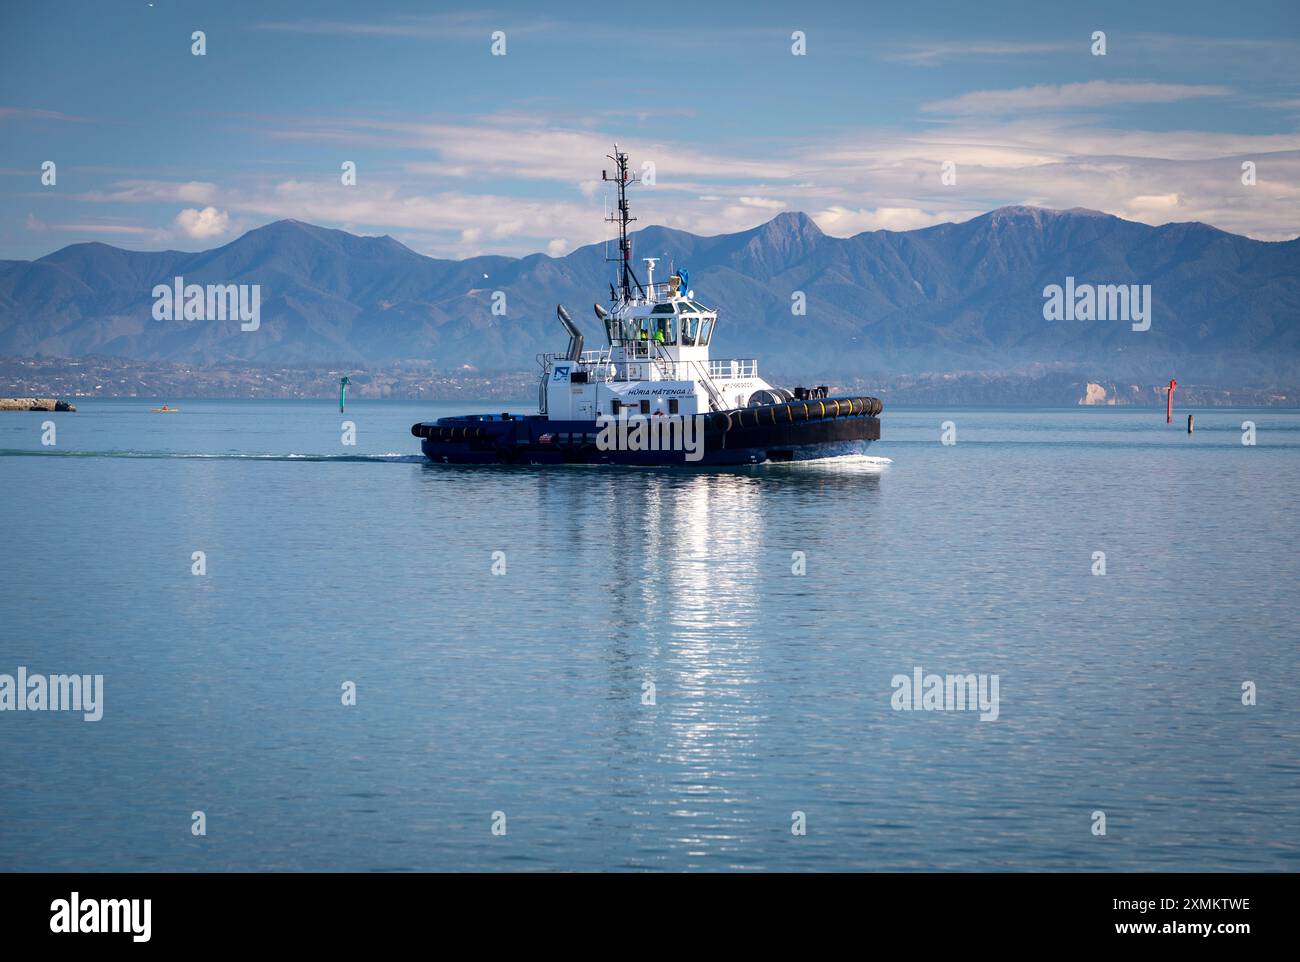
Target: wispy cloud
[
  {"x": 449, "y": 26},
  {"x": 32, "y": 113},
  {"x": 1184, "y": 44},
  {"x": 526, "y": 148},
  {"x": 479, "y": 25},
  {"x": 118, "y": 230},
  {"x": 149, "y": 191},
  {"x": 1049, "y": 97},
  {"x": 936, "y": 53}
]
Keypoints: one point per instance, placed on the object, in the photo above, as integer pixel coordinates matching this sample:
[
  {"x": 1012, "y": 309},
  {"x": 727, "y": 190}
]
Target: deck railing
[
  {"x": 640, "y": 367},
  {"x": 734, "y": 367}
]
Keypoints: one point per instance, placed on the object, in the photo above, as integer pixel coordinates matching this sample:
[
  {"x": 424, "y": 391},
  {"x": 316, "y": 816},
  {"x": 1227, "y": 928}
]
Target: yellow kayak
[{"x": 165, "y": 410}]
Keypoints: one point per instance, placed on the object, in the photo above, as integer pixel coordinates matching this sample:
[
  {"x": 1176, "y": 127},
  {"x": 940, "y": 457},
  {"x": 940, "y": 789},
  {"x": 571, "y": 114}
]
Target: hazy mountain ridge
[{"x": 1225, "y": 308}]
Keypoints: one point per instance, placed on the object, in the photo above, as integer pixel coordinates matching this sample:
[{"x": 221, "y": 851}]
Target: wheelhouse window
[
  {"x": 665, "y": 331},
  {"x": 706, "y": 330}
]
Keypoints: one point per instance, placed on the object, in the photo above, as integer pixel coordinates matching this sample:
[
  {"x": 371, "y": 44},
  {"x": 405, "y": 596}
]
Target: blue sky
[{"x": 460, "y": 152}]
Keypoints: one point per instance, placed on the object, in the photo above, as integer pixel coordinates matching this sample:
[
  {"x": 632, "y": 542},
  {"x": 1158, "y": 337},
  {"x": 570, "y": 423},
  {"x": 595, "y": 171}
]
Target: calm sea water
[{"x": 522, "y": 693}]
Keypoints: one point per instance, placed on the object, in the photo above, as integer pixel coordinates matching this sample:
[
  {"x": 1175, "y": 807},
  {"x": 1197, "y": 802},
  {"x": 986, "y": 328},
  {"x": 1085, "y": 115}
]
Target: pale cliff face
[{"x": 1093, "y": 394}]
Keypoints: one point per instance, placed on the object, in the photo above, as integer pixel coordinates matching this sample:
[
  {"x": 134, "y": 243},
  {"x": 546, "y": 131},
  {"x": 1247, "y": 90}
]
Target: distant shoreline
[{"x": 106, "y": 377}]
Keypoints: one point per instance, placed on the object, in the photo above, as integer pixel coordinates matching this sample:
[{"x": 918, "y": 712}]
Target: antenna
[{"x": 626, "y": 277}]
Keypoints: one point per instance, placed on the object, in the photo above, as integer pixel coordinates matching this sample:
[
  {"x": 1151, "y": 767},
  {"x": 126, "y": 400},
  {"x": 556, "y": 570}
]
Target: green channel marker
[{"x": 343, "y": 391}]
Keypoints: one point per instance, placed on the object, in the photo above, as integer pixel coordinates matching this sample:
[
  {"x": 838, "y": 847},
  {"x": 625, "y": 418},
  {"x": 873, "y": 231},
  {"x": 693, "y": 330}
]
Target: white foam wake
[{"x": 848, "y": 463}]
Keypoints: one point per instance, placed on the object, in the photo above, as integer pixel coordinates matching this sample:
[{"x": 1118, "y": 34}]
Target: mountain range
[{"x": 967, "y": 296}]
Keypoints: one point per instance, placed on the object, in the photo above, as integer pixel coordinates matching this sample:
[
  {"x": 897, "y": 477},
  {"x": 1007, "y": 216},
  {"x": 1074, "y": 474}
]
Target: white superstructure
[
  {"x": 656, "y": 362},
  {"x": 656, "y": 359}
]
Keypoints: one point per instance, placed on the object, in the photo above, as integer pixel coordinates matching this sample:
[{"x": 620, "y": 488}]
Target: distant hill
[{"x": 963, "y": 296}]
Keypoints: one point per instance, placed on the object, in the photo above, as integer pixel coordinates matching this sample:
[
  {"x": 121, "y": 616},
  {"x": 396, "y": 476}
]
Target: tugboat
[{"x": 652, "y": 395}]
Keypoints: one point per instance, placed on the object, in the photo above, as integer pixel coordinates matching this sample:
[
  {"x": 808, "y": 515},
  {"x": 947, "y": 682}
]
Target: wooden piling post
[{"x": 1189, "y": 424}]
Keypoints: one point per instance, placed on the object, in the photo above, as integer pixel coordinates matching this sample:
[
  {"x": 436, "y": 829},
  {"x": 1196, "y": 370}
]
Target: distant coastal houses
[{"x": 119, "y": 377}]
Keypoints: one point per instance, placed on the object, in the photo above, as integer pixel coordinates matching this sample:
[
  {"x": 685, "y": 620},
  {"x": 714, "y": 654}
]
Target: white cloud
[
  {"x": 202, "y": 224},
  {"x": 557, "y": 247}
]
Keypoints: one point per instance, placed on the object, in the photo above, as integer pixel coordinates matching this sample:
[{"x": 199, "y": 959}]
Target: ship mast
[{"x": 626, "y": 278}]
